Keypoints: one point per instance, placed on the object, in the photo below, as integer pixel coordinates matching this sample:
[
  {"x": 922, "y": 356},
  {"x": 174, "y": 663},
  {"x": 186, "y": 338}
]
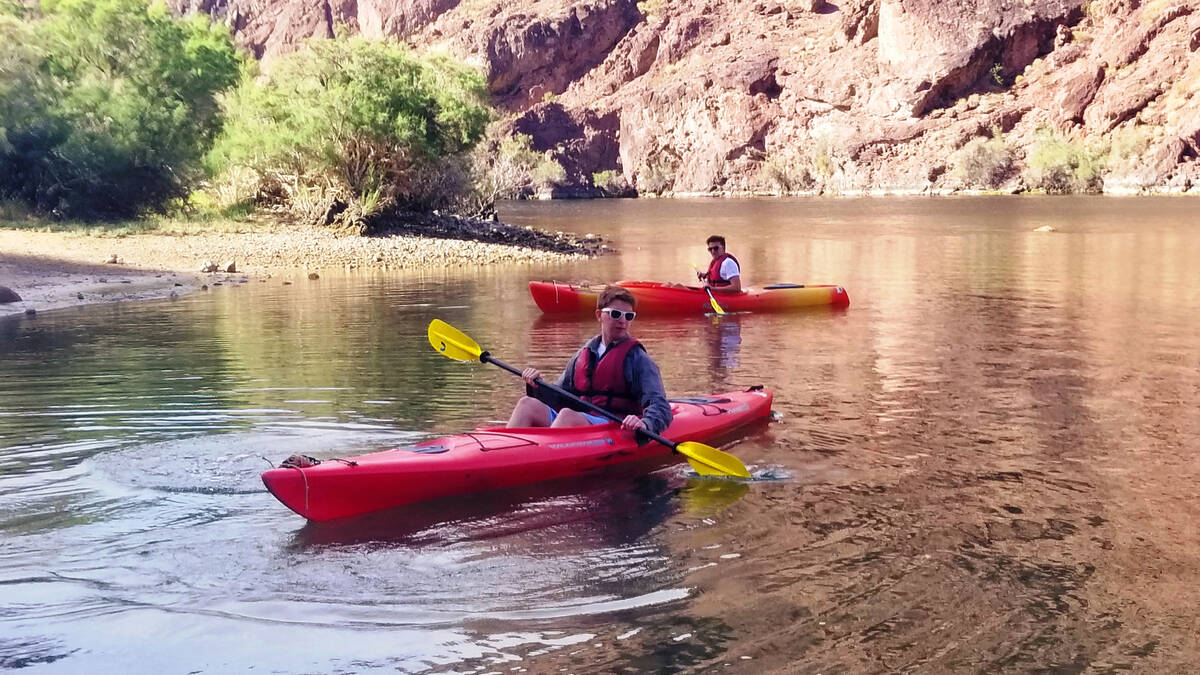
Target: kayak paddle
[
  {"x": 711, "y": 300},
  {"x": 706, "y": 460}
]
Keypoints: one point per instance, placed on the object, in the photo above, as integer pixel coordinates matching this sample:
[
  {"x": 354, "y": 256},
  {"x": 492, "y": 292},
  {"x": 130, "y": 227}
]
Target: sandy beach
[{"x": 53, "y": 270}]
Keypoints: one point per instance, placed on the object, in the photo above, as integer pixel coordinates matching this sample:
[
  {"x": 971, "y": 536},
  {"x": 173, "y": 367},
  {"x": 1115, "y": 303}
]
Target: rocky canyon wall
[{"x": 704, "y": 96}]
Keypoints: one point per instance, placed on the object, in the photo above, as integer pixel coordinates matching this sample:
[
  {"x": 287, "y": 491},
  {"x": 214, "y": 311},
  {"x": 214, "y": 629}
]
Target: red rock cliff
[{"x": 858, "y": 95}]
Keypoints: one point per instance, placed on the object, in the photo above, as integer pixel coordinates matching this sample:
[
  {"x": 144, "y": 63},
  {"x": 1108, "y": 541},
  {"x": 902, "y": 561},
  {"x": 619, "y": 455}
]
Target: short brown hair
[
  {"x": 611, "y": 293},
  {"x": 717, "y": 238}
]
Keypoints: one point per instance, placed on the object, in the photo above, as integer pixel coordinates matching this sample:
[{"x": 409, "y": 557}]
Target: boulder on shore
[{"x": 8, "y": 295}]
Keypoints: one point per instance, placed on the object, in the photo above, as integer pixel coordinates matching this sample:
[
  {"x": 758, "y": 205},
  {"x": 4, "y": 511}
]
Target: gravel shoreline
[{"x": 52, "y": 270}]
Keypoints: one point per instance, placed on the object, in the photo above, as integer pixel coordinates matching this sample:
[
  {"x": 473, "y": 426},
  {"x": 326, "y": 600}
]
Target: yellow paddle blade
[
  {"x": 709, "y": 461},
  {"x": 716, "y": 308},
  {"x": 452, "y": 343}
]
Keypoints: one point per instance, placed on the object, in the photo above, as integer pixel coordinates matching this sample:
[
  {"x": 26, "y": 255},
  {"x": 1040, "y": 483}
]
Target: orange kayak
[{"x": 654, "y": 297}]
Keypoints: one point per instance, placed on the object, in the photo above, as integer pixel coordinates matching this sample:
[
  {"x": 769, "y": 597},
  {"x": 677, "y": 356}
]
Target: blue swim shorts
[{"x": 592, "y": 419}]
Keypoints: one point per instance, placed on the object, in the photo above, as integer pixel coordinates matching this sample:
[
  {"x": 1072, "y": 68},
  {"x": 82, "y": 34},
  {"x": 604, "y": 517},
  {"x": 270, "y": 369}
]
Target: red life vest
[
  {"x": 603, "y": 383},
  {"x": 714, "y": 270}
]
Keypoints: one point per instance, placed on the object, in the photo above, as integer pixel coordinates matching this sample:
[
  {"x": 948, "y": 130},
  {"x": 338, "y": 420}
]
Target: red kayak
[
  {"x": 654, "y": 297},
  {"x": 498, "y": 457}
]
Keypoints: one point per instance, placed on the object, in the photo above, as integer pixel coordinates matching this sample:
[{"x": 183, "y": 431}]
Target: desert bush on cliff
[
  {"x": 650, "y": 8},
  {"x": 611, "y": 183},
  {"x": 549, "y": 174},
  {"x": 982, "y": 163},
  {"x": 509, "y": 168},
  {"x": 1058, "y": 165},
  {"x": 1127, "y": 145},
  {"x": 111, "y": 113},
  {"x": 356, "y": 122},
  {"x": 658, "y": 175},
  {"x": 785, "y": 174}
]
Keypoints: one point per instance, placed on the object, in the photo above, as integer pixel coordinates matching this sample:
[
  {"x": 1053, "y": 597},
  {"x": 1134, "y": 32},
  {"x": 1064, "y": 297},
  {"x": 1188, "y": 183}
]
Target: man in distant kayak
[
  {"x": 612, "y": 371},
  {"x": 724, "y": 275}
]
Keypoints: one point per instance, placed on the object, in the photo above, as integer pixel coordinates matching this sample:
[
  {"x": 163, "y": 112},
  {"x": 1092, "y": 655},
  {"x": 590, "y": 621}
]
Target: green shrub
[
  {"x": 513, "y": 169},
  {"x": 362, "y": 121},
  {"x": 1127, "y": 146},
  {"x": 113, "y": 110},
  {"x": 658, "y": 176},
  {"x": 982, "y": 162},
  {"x": 997, "y": 73},
  {"x": 1058, "y": 165},
  {"x": 1127, "y": 143},
  {"x": 821, "y": 158},
  {"x": 651, "y": 7},
  {"x": 12, "y": 211},
  {"x": 515, "y": 163},
  {"x": 548, "y": 174},
  {"x": 785, "y": 174},
  {"x": 610, "y": 182},
  {"x": 604, "y": 179}
]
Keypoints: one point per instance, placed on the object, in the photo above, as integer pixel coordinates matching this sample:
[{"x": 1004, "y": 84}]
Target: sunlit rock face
[
  {"x": 936, "y": 51},
  {"x": 861, "y": 95}
]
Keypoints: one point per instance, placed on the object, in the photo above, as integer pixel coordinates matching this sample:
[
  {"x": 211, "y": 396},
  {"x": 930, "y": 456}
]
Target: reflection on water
[
  {"x": 985, "y": 464},
  {"x": 725, "y": 342}
]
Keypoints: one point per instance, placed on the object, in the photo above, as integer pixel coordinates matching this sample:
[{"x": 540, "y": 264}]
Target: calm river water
[{"x": 987, "y": 463}]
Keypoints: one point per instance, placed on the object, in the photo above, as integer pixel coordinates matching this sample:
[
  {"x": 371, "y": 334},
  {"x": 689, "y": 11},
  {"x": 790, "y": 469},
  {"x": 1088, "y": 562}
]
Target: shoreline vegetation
[{"x": 144, "y": 174}]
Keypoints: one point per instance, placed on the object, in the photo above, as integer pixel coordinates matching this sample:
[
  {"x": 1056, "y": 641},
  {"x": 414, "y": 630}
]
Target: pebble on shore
[
  {"x": 279, "y": 249},
  {"x": 74, "y": 269}
]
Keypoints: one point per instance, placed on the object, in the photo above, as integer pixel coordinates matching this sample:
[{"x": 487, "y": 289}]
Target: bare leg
[
  {"x": 529, "y": 412},
  {"x": 570, "y": 418}
]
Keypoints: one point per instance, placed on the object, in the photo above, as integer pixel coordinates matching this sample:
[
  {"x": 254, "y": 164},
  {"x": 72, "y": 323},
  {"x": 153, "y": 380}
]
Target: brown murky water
[{"x": 986, "y": 464}]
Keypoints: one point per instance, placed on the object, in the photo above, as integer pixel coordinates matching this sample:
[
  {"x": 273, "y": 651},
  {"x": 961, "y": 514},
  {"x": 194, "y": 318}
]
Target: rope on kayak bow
[
  {"x": 299, "y": 462},
  {"x": 304, "y": 461}
]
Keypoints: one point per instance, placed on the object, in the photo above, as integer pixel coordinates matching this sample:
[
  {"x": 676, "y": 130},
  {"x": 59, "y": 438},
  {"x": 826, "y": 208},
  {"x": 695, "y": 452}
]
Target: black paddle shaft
[{"x": 488, "y": 358}]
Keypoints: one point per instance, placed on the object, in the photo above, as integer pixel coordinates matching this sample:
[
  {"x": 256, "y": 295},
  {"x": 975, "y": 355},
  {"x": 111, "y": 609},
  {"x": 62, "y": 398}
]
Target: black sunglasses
[
  {"x": 616, "y": 313},
  {"x": 714, "y": 248}
]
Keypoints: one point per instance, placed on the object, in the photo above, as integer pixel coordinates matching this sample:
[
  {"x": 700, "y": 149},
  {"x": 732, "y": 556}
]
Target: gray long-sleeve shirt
[{"x": 645, "y": 382}]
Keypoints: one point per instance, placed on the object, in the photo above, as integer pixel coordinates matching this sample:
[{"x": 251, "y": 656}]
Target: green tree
[
  {"x": 121, "y": 106},
  {"x": 364, "y": 120}
]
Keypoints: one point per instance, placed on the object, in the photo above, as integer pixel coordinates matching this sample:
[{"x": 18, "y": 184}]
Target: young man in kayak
[
  {"x": 612, "y": 371},
  {"x": 724, "y": 275}
]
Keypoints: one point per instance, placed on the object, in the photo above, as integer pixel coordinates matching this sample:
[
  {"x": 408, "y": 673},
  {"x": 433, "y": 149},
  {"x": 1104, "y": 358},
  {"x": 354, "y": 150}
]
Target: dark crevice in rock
[
  {"x": 580, "y": 140},
  {"x": 766, "y": 85}
]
